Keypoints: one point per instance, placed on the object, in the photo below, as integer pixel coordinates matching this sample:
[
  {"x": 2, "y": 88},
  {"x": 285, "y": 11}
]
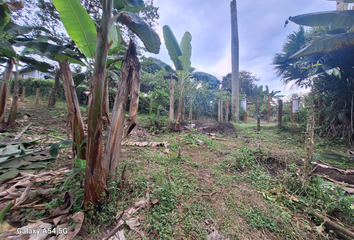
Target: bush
[{"x": 46, "y": 85}]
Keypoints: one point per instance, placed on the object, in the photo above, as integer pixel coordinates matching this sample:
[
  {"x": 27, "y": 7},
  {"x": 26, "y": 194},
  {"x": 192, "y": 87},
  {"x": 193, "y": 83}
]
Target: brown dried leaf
[{"x": 79, "y": 219}]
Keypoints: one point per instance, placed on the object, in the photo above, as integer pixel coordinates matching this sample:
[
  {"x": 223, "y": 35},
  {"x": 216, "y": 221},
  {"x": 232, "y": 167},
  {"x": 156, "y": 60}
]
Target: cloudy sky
[{"x": 261, "y": 32}]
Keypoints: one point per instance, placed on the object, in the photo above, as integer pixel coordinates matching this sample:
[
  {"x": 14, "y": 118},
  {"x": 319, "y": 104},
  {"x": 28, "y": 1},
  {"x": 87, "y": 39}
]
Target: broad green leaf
[
  {"x": 36, "y": 165},
  {"x": 133, "y": 9},
  {"x": 113, "y": 61},
  {"x": 55, "y": 147},
  {"x": 4, "y": 16},
  {"x": 4, "y": 81},
  {"x": 41, "y": 66},
  {"x": 326, "y": 45},
  {"x": 114, "y": 35},
  {"x": 4, "y": 211},
  {"x": 80, "y": 163},
  {"x": 11, "y": 150},
  {"x": 62, "y": 57},
  {"x": 16, "y": 163},
  {"x": 14, "y": 29},
  {"x": 172, "y": 47},
  {"x": 120, "y": 51},
  {"x": 78, "y": 25},
  {"x": 331, "y": 19},
  {"x": 11, "y": 173},
  {"x": 42, "y": 47},
  {"x": 186, "y": 48},
  {"x": 6, "y": 48},
  {"x": 120, "y": 4},
  {"x": 146, "y": 34}
]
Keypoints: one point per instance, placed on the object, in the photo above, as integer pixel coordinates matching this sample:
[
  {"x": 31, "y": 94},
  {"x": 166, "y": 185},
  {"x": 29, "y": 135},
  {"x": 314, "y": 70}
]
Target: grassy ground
[{"x": 228, "y": 186}]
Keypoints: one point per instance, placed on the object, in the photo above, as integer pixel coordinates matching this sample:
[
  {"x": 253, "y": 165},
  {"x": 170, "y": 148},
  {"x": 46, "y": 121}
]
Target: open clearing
[{"x": 218, "y": 187}]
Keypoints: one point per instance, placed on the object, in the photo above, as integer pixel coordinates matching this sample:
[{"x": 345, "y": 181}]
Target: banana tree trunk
[
  {"x": 172, "y": 102},
  {"x": 52, "y": 95},
  {"x": 179, "y": 110},
  {"x": 105, "y": 108},
  {"x": 14, "y": 106},
  {"x": 74, "y": 114},
  {"x": 3, "y": 89},
  {"x": 129, "y": 84},
  {"x": 96, "y": 192}
]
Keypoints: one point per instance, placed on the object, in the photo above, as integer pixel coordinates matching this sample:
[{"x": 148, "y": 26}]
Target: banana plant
[
  {"x": 338, "y": 22},
  {"x": 14, "y": 35},
  {"x": 73, "y": 14},
  {"x": 180, "y": 54}
]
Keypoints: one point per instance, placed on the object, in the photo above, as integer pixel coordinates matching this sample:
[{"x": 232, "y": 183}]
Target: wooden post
[
  {"x": 23, "y": 94},
  {"x": 280, "y": 111},
  {"x": 227, "y": 112},
  {"x": 37, "y": 96}
]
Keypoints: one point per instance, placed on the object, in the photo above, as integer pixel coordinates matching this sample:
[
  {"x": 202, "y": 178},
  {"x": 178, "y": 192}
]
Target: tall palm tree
[{"x": 235, "y": 62}]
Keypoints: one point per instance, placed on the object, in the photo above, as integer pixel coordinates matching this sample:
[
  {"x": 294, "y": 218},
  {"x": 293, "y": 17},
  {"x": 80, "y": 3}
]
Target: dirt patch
[{"x": 223, "y": 128}]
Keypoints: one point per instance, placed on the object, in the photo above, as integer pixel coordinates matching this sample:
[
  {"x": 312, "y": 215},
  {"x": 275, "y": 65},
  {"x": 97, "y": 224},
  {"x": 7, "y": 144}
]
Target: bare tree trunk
[
  {"x": 309, "y": 140},
  {"x": 96, "y": 192},
  {"x": 235, "y": 62},
  {"x": 129, "y": 83},
  {"x": 172, "y": 102},
  {"x": 14, "y": 106},
  {"x": 227, "y": 112},
  {"x": 3, "y": 89},
  {"x": 74, "y": 115},
  {"x": 52, "y": 95},
  {"x": 23, "y": 94}
]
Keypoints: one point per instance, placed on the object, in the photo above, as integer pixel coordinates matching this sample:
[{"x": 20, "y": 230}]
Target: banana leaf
[
  {"x": 78, "y": 25},
  {"x": 173, "y": 47}
]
